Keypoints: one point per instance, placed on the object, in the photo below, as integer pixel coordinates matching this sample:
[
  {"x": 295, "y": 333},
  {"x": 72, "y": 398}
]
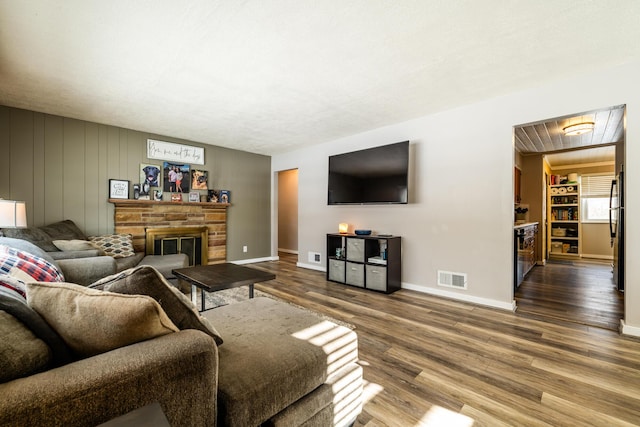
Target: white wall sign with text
[{"x": 178, "y": 153}]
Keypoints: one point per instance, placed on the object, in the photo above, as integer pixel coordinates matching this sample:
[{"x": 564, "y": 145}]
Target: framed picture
[
  {"x": 118, "y": 189},
  {"x": 157, "y": 195},
  {"x": 176, "y": 177},
  {"x": 199, "y": 179},
  {"x": 149, "y": 177},
  {"x": 176, "y": 197},
  {"x": 219, "y": 196},
  {"x": 194, "y": 196}
]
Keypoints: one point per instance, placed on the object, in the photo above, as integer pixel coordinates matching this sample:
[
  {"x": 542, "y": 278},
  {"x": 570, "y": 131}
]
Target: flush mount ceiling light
[{"x": 578, "y": 128}]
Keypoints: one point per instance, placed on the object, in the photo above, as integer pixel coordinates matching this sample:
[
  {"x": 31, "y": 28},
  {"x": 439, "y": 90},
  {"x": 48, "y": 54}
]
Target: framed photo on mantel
[{"x": 118, "y": 189}]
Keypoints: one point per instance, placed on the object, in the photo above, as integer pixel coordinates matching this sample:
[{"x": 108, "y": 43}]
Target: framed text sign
[
  {"x": 118, "y": 189},
  {"x": 178, "y": 153}
]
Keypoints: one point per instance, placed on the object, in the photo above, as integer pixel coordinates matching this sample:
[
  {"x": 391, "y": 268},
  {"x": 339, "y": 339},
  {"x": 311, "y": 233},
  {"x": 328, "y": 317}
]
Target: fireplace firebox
[{"x": 191, "y": 241}]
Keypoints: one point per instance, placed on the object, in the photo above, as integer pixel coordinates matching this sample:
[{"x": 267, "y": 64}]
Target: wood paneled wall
[{"x": 61, "y": 167}]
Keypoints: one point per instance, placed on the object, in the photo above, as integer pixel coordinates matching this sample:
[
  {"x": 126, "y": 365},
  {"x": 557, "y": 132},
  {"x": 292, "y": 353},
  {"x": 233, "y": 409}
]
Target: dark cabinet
[
  {"x": 369, "y": 262},
  {"x": 525, "y": 251}
]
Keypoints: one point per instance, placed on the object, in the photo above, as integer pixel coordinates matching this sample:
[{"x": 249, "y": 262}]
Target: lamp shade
[
  {"x": 343, "y": 227},
  {"x": 13, "y": 214}
]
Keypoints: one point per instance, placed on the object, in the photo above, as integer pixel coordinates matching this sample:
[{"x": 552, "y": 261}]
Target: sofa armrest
[
  {"x": 85, "y": 271},
  {"x": 179, "y": 370}
]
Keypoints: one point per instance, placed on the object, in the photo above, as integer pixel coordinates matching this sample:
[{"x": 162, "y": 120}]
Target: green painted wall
[{"x": 61, "y": 167}]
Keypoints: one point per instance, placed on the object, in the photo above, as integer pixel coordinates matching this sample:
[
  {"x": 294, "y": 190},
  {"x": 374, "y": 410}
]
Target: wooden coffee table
[{"x": 216, "y": 277}]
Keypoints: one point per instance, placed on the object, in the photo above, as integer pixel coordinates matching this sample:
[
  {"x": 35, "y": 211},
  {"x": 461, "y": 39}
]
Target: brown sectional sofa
[{"x": 278, "y": 365}]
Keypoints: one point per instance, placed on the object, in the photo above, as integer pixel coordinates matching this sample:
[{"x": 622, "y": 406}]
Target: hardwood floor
[
  {"x": 435, "y": 362},
  {"x": 572, "y": 291}
]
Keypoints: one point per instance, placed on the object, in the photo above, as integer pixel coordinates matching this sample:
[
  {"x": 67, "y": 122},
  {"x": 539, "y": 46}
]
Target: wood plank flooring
[
  {"x": 572, "y": 291},
  {"x": 430, "y": 361}
]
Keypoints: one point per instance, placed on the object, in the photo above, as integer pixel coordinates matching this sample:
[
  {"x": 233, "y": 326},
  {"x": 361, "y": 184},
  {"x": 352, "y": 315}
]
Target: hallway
[{"x": 578, "y": 292}]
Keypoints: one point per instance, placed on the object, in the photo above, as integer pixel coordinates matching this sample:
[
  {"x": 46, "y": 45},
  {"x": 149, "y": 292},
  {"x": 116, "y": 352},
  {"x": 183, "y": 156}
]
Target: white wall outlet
[{"x": 244, "y": 249}]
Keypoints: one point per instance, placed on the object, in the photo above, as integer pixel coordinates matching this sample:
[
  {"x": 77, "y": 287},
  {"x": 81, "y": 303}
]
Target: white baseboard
[
  {"x": 602, "y": 257},
  {"x": 254, "y": 260},
  {"x": 625, "y": 329},
  {"x": 288, "y": 251},
  {"x": 466, "y": 298},
  {"x": 311, "y": 267}
]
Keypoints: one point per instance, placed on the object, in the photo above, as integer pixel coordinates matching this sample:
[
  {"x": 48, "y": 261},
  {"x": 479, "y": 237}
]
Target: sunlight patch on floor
[
  {"x": 370, "y": 390},
  {"x": 442, "y": 417}
]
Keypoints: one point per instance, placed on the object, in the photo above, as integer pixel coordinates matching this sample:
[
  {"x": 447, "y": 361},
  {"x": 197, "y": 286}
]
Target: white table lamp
[{"x": 13, "y": 214}]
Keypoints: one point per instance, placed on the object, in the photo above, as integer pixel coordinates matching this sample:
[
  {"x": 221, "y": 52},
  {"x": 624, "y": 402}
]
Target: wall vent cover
[
  {"x": 314, "y": 257},
  {"x": 452, "y": 280}
]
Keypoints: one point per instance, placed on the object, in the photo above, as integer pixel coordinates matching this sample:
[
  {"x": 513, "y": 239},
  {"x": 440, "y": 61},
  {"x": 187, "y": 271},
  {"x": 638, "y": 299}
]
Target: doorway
[
  {"x": 288, "y": 211},
  {"x": 573, "y": 279}
]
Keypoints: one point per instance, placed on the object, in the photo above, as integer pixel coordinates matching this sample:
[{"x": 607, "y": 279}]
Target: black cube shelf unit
[{"x": 369, "y": 262}]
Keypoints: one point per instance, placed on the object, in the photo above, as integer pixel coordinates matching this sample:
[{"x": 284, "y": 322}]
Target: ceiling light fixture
[{"x": 578, "y": 128}]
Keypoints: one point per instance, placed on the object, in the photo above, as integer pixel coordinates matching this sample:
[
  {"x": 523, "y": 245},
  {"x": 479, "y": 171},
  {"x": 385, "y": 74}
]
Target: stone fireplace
[{"x": 173, "y": 224}]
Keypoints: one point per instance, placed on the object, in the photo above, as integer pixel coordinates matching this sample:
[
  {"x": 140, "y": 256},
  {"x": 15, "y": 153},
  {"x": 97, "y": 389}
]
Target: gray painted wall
[{"x": 61, "y": 167}]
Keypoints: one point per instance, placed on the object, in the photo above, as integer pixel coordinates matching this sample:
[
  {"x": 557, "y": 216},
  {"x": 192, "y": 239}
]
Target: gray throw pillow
[
  {"x": 33, "y": 235},
  {"x": 63, "y": 230},
  {"x": 146, "y": 280}
]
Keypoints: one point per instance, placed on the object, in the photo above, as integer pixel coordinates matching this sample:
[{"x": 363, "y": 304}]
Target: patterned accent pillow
[
  {"x": 27, "y": 267},
  {"x": 115, "y": 245}
]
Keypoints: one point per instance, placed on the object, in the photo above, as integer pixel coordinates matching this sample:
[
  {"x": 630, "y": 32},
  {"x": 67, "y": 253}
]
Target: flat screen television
[{"x": 375, "y": 176}]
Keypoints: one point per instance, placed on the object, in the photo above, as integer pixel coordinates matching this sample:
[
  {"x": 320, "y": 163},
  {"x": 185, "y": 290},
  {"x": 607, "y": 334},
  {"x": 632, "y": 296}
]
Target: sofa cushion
[
  {"x": 63, "y": 230},
  {"x": 21, "y": 352},
  {"x": 26, "y": 266},
  {"x": 267, "y": 340},
  {"x": 13, "y": 303},
  {"x": 115, "y": 245},
  {"x": 129, "y": 262},
  {"x": 165, "y": 264},
  {"x": 91, "y": 321},
  {"x": 146, "y": 280},
  {"x": 33, "y": 235}
]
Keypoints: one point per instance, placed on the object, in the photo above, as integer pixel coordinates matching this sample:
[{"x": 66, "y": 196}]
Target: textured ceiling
[{"x": 271, "y": 76}]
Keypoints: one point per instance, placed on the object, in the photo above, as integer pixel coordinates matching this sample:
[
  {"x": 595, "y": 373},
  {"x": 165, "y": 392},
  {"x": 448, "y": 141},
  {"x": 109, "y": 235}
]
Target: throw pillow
[
  {"x": 115, "y": 245},
  {"x": 13, "y": 285},
  {"x": 73, "y": 245},
  {"x": 33, "y": 235},
  {"x": 21, "y": 352},
  {"x": 146, "y": 280},
  {"x": 27, "y": 267},
  {"x": 14, "y": 303},
  {"x": 63, "y": 230},
  {"x": 92, "y": 321}
]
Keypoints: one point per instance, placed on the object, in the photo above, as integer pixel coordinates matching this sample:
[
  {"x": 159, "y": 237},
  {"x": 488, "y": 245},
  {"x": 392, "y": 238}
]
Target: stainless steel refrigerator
[{"x": 616, "y": 228}]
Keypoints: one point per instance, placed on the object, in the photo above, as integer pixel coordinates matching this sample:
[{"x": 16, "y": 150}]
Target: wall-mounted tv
[{"x": 377, "y": 175}]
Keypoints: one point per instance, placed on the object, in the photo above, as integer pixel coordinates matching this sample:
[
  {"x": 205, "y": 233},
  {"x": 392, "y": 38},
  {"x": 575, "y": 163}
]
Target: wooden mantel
[{"x": 135, "y": 216}]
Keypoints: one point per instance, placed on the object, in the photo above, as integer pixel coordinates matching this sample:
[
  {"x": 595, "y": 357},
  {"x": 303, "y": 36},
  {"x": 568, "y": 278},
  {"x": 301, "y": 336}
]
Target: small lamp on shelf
[
  {"x": 343, "y": 228},
  {"x": 13, "y": 214}
]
